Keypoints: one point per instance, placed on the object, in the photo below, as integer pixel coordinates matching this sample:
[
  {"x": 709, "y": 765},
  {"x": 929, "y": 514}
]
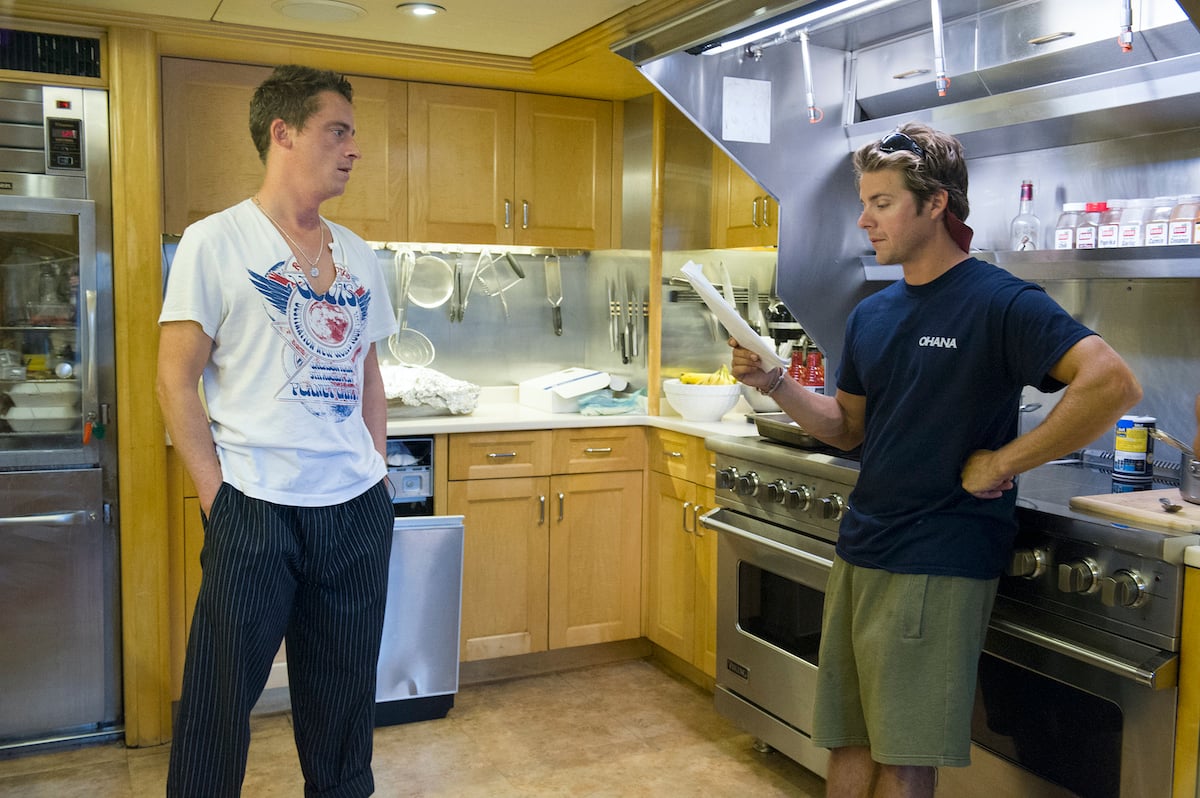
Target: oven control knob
[
  {"x": 1028, "y": 563},
  {"x": 832, "y": 507},
  {"x": 1123, "y": 589},
  {"x": 727, "y": 478},
  {"x": 1079, "y": 576},
  {"x": 777, "y": 491},
  {"x": 799, "y": 497},
  {"x": 747, "y": 484}
]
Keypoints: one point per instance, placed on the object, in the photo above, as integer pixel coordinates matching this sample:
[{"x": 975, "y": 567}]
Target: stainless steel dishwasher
[{"x": 417, "y": 675}]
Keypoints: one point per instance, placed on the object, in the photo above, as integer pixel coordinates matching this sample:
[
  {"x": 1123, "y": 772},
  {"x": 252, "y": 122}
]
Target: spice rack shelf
[{"x": 1045, "y": 265}]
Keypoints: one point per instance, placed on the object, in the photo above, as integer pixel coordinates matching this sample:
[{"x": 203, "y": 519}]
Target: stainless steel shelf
[{"x": 1133, "y": 263}]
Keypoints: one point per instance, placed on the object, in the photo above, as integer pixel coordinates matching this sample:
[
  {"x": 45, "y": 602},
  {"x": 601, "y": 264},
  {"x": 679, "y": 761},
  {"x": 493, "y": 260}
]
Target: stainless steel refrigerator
[{"x": 60, "y": 674}]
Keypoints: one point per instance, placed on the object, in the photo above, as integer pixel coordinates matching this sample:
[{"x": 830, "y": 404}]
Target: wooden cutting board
[{"x": 1143, "y": 509}]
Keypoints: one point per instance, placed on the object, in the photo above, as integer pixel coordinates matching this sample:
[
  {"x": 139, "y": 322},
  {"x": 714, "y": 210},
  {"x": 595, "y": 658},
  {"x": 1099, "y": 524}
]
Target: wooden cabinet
[
  {"x": 210, "y": 162},
  {"x": 681, "y": 554},
  {"x": 498, "y": 167},
  {"x": 551, "y": 560},
  {"x": 743, "y": 213}
]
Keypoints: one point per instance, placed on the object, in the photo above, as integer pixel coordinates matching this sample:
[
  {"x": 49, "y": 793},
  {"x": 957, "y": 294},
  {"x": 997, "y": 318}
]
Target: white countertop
[
  {"x": 1191, "y": 556},
  {"x": 499, "y": 411}
]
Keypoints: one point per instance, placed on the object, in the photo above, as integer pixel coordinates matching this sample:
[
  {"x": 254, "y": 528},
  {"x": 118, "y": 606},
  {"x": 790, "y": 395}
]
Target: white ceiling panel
[{"x": 521, "y": 28}]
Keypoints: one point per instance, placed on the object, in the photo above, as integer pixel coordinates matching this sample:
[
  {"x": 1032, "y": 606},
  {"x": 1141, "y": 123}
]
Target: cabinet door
[
  {"x": 744, "y": 215},
  {"x": 460, "y": 161},
  {"x": 505, "y": 557},
  {"x": 563, "y": 188},
  {"x": 209, "y": 159},
  {"x": 595, "y": 558},
  {"x": 210, "y": 162},
  {"x": 671, "y": 552},
  {"x": 375, "y": 203},
  {"x": 705, "y": 657}
]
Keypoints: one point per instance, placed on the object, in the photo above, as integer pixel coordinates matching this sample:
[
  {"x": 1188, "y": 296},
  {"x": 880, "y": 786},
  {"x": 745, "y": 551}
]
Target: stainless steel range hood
[{"x": 1026, "y": 76}]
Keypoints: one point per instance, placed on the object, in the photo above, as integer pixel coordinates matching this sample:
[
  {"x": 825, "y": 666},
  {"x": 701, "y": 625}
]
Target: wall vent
[{"x": 49, "y": 53}]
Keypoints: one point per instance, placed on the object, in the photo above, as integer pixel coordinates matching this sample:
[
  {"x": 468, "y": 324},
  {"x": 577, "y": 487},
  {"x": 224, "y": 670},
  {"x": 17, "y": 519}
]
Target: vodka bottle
[{"x": 1025, "y": 232}]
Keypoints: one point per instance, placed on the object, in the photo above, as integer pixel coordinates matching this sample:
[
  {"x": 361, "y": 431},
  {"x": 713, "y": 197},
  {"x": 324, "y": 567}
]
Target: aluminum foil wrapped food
[{"x": 424, "y": 391}]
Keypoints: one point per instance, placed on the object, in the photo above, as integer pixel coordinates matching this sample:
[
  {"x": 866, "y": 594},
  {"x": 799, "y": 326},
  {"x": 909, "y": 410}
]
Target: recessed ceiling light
[
  {"x": 319, "y": 10},
  {"x": 420, "y": 9}
]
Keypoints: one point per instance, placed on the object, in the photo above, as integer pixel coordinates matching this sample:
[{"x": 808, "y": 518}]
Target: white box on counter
[{"x": 559, "y": 391}]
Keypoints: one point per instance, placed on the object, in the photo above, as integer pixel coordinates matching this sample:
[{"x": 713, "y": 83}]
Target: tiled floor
[{"x": 625, "y": 729}]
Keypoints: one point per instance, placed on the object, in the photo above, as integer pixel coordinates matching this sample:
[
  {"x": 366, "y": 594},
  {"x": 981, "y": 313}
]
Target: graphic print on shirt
[{"x": 322, "y": 333}]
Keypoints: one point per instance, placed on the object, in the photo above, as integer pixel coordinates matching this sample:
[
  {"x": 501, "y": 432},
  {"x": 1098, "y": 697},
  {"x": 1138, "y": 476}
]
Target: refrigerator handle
[
  {"x": 49, "y": 519},
  {"x": 90, "y": 299}
]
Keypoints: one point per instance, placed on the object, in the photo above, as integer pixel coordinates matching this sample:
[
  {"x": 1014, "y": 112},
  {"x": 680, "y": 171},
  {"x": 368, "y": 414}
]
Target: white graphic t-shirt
[{"x": 284, "y": 382}]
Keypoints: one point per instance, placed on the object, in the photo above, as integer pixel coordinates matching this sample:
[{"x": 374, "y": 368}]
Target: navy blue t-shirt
[{"x": 942, "y": 366}]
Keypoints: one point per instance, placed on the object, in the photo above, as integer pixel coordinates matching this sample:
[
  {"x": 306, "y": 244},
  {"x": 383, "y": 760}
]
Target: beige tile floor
[{"x": 625, "y": 729}]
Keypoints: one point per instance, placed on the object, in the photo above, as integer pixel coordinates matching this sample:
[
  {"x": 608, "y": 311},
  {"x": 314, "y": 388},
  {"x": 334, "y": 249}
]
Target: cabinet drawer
[
  {"x": 678, "y": 454},
  {"x": 493, "y": 455},
  {"x": 578, "y": 451}
]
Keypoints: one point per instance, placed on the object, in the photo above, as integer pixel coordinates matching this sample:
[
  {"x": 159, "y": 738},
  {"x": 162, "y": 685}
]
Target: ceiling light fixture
[
  {"x": 823, "y": 15},
  {"x": 420, "y": 9},
  {"x": 319, "y": 10}
]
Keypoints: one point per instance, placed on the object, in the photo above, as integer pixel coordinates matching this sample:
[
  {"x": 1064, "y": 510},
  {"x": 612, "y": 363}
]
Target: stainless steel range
[{"x": 1077, "y": 683}]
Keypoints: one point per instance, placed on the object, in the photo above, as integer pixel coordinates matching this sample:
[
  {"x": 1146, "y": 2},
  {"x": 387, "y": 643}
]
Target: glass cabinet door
[{"x": 46, "y": 331}]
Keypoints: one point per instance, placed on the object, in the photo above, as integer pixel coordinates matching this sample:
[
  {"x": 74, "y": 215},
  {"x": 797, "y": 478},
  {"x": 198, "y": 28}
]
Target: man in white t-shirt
[{"x": 277, "y": 312}]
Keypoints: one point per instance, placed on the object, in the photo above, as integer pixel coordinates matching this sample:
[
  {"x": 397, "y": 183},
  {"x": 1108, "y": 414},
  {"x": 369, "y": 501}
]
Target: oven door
[
  {"x": 770, "y": 596},
  {"x": 1063, "y": 704}
]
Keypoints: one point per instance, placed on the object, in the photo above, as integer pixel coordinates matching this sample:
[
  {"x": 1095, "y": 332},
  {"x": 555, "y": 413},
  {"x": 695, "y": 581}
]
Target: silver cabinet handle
[
  {"x": 598, "y": 450},
  {"x": 696, "y": 527},
  {"x": 499, "y": 455},
  {"x": 507, "y": 214},
  {"x": 766, "y": 211},
  {"x": 674, "y": 454},
  {"x": 560, "y": 507},
  {"x": 541, "y": 510},
  {"x": 684, "y": 524},
  {"x": 754, "y": 213},
  {"x": 1037, "y": 41},
  {"x": 524, "y": 214},
  {"x": 49, "y": 519}
]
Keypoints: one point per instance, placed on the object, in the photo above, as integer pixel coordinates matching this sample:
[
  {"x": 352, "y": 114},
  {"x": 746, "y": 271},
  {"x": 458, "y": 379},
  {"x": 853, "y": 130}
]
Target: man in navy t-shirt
[{"x": 929, "y": 386}]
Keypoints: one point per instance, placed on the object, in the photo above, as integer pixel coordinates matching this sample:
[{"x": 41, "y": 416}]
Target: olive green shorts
[{"x": 896, "y": 670}]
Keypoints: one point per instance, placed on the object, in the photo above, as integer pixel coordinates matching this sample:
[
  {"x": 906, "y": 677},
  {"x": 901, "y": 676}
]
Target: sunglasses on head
[{"x": 897, "y": 141}]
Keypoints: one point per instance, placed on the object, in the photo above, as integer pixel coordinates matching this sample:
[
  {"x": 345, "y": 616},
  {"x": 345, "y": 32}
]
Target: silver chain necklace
[{"x": 313, "y": 269}]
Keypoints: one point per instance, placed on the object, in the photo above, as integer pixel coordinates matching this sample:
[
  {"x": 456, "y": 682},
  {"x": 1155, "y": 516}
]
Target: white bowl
[
  {"x": 42, "y": 419},
  {"x": 45, "y": 393},
  {"x": 759, "y": 403},
  {"x": 702, "y": 402}
]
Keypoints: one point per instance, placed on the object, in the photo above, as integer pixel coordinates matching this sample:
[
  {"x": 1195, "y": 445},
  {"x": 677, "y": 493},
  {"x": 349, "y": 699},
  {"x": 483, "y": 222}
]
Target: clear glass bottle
[
  {"x": 1025, "y": 231},
  {"x": 1108, "y": 234},
  {"x": 1133, "y": 222},
  {"x": 1068, "y": 220},
  {"x": 1159, "y": 221},
  {"x": 1184, "y": 225},
  {"x": 1086, "y": 232}
]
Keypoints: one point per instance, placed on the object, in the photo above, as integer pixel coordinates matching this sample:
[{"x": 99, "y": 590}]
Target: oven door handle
[
  {"x": 1162, "y": 674},
  {"x": 709, "y": 522}
]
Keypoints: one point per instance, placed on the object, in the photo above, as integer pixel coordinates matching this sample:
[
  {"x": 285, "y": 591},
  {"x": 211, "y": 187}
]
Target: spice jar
[
  {"x": 1184, "y": 224},
  {"x": 1159, "y": 220}
]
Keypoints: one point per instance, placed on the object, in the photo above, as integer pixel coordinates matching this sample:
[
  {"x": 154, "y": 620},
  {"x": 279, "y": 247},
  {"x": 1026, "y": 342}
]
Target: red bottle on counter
[{"x": 814, "y": 372}]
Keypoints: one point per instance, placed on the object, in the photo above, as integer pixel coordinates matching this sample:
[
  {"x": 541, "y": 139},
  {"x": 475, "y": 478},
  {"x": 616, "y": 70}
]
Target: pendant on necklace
[{"x": 314, "y": 272}]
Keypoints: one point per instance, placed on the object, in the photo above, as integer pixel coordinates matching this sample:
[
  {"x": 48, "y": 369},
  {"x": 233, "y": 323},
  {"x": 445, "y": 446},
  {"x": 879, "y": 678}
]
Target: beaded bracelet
[{"x": 780, "y": 376}]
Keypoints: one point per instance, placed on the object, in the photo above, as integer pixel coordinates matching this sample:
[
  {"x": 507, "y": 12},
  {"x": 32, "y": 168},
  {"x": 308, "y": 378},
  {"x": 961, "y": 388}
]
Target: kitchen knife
[
  {"x": 623, "y": 334},
  {"x": 635, "y": 321},
  {"x": 612, "y": 318},
  {"x": 554, "y": 290}
]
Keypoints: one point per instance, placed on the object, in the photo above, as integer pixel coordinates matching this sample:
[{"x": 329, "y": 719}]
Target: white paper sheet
[{"x": 733, "y": 321}]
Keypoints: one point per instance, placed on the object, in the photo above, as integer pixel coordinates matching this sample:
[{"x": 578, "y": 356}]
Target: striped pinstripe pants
[{"x": 318, "y": 575}]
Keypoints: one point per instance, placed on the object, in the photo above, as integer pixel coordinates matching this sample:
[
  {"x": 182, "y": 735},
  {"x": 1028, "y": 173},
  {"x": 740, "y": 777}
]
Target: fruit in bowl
[{"x": 702, "y": 401}]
